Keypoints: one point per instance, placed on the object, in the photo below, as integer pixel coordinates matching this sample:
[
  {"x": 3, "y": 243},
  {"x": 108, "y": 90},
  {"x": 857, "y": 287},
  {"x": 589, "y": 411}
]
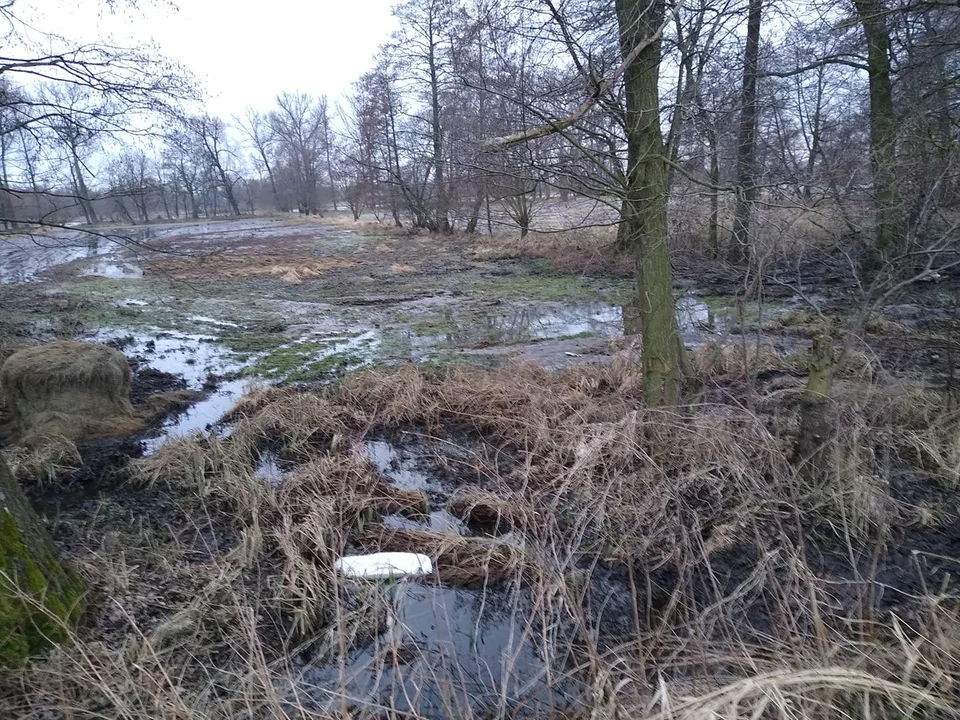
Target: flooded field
[
  {"x": 578, "y": 538},
  {"x": 221, "y": 303}
]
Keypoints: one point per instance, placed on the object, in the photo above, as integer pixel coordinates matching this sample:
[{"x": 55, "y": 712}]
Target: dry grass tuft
[
  {"x": 743, "y": 360},
  {"x": 460, "y": 561},
  {"x": 44, "y": 461},
  {"x": 588, "y": 251},
  {"x": 495, "y": 512}
]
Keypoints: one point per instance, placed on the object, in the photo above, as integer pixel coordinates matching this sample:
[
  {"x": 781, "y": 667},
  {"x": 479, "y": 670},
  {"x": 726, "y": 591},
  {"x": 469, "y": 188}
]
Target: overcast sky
[{"x": 245, "y": 52}]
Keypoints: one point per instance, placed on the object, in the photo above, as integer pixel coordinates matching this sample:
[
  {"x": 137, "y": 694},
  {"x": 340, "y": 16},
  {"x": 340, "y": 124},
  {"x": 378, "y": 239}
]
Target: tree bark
[
  {"x": 713, "y": 232},
  {"x": 443, "y": 201},
  {"x": 645, "y": 202},
  {"x": 813, "y": 452},
  {"x": 747, "y": 140},
  {"x": 883, "y": 129},
  {"x": 39, "y": 598}
]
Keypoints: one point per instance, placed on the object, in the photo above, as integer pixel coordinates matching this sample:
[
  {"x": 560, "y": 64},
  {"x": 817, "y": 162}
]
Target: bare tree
[
  {"x": 747, "y": 139},
  {"x": 300, "y": 129},
  {"x": 259, "y": 133},
  {"x": 209, "y": 134}
]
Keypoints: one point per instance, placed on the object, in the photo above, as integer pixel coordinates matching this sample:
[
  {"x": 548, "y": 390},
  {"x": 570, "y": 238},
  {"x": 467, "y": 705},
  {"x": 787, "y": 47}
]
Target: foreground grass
[{"x": 743, "y": 591}]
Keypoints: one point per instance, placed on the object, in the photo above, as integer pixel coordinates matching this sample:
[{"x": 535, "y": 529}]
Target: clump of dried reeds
[
  {"x": 699, "y": 508},
  {"x": 459, "y": 560}
]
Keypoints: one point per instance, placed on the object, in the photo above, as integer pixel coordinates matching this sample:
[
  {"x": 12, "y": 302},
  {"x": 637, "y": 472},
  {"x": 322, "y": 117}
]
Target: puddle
[
  {"x": 191, "y": 356},
  {"x": 200, "y": 416},
  {"x": 24, "y": 257},
  {"x": 113, "y": 270},
  {"x": 515, "y": 324},
  {"x": 269, "y": 470},
  {"x": 462, "y": 653},
  {"x": 194, "y": 358},
  {"x": 402, "y": 469}
]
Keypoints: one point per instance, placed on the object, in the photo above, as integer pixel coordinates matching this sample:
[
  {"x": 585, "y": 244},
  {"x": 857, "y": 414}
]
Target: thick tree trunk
[
  {"x": 475, "y": 213},
  {"x": 273, "y": 182},
  {"x": 747, "y": 140},
  {"x": 883, "y": 129},
  {"x": 39, "y": 598},
  {"x": 645, "y": 203},
  {"x": 228, "y": 191}
]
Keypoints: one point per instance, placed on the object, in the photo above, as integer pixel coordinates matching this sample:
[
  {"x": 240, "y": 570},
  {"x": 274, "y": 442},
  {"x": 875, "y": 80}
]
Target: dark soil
[{"x": 105, "y": 459}]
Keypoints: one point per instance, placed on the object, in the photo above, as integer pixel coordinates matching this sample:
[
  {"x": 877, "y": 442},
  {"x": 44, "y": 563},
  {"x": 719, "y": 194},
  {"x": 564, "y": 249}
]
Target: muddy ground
[
  {"x": 212, "y": 307},
  {"x": 303, "y": 300},
  {"x": 220, "y": 307}
]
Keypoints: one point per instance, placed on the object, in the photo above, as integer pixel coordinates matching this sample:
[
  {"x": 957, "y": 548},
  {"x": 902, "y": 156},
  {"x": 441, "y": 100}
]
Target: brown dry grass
[
  {"x": 699, "y": 507},
  {"x": 588, "y": 251},
  {"x": 69, "y": 389},
  {"x": 291, "y": 267}
]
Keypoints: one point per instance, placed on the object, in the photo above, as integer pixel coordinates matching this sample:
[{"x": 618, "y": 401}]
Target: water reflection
[
  {"x": 114, "y": 270},
  {"x": 451, "y": 653}
]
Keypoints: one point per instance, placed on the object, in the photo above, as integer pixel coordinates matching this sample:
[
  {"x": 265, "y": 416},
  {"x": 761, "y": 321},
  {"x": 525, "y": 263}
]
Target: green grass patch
[
  {"x": 300, "y": 362},
  {"x": 555, "y": 288}
]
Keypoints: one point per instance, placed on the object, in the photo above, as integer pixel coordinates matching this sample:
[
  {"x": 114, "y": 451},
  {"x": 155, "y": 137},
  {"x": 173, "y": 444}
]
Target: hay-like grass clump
[{"x": 70, "y": 389}]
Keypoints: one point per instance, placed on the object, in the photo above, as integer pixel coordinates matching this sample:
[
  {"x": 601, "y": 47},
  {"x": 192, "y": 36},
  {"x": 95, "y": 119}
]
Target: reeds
[{"x": 668, "y": 563}]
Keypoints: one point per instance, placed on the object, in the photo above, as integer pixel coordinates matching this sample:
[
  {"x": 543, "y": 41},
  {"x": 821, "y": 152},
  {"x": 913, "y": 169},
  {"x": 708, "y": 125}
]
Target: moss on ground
[
  {"x": 555, "y": 288},
  {"x": 303, "y": 362}
]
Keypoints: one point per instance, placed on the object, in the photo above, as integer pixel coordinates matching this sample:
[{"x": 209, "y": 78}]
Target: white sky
[{"x": 245, "y": 52}]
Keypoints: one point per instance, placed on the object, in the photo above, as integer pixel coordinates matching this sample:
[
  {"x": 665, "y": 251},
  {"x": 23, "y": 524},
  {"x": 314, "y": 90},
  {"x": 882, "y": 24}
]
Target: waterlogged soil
[
  {"x": 222, "y": 304},
  {"x": 213, "y": 307},
  {"x": 301, "y": 300}
]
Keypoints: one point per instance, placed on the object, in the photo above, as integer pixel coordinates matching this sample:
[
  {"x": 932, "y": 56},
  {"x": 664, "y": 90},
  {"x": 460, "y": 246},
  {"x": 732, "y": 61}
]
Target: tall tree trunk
[
  {"x": 31, "y": 176},
  {"x": 883, "y": 129},
  {"x": 815, "y": 133},
  {"x": 474, "y": 219},
  {"x": 326, "y": 150},
  {"x": 39, "y": 597},
  {"x": 443, "y": 201},
  {"x": 228, "y": 191},
  {"x": 194, "y": 209},
  {"x": 84, "y": 196},
  {"x": 646, "y": 202},
  {"x": 273, "y": 182},
  {"x": 713, "y": 232},
  {"x": 747, "y": 140}
]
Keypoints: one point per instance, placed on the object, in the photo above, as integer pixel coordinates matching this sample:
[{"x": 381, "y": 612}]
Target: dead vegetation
[
  {"x": 68, "y": 389},
  {"x": 674, "y": 562},
  {"x": 588, "y": 251}
]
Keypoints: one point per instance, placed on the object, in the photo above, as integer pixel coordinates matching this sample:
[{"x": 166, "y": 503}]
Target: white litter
[
  {"x": 572, "y": 354},
  {"x": 384, "y": 565}
]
